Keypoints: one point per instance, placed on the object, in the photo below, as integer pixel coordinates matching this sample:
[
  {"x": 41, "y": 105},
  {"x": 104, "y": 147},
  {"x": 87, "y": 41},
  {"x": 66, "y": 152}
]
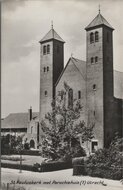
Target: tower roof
[
  {"x": 97, "y": 21},
  {"x": 52, "y": 34}
]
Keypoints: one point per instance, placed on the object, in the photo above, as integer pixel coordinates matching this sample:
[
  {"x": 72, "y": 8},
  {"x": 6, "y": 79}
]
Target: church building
[{"x": 91, "y": 82}]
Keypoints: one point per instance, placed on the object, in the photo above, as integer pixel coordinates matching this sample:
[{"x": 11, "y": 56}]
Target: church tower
[
  {"x": 51, "y": 66},
  {"x": 99, "y": 80}
]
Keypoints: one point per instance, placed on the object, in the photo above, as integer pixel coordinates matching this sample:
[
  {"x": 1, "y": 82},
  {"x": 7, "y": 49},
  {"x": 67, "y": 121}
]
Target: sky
[{"x": 25, "y": 22}]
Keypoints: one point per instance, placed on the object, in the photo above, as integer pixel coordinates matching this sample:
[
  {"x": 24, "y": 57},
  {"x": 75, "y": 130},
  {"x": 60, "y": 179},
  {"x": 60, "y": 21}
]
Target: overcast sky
[{"x": 24, "y": 23}]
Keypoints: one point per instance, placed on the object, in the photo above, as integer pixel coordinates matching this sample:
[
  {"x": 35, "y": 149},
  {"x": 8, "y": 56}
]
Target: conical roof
[
  {"x": 98, "y": 20},
  {"x": 52, "y": 34}
]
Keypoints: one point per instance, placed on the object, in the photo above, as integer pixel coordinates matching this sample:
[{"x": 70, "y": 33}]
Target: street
[{"x": 55, "y": 180}]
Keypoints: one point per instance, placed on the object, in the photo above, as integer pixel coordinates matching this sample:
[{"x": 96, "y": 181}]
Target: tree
[
  {"x": 61, "y": 128},
  {"x": 9, "y": 143}
]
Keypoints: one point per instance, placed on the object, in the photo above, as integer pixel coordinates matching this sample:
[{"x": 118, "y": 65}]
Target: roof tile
[
  {"x": 98, "y": 20},
  {"x": 52, "y": 34},
  {"x": 17, "y": 120}
]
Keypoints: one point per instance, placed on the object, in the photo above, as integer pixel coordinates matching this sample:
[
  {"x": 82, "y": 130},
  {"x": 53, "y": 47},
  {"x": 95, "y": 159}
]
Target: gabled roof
[
  {"x": 79, "y": 64},
  {"x": 17, "y": 120},
  {"x": 52, "y": 34},
  {"x": 98, "y": 20}
]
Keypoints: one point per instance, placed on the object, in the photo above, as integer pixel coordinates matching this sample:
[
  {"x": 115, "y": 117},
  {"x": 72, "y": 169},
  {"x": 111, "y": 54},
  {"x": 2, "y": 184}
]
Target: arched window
[
  {"x": 79, "y": 94},
  {"x": 96, "y": 59},
  {"x": 44, "y": 69},
  {"x": 45, "y": 93},
  {"x": 91, "y": 37},
  {"x": 48, "y": 48},
  {"x": 44, "y": 49},
  {"x": 47, "y": 69},
  {"x": 92, "y": 59},
  {"x": 70, "y": 98},
  {"x": 96, "y": 36},
  {"x": 94, "y": 87}
]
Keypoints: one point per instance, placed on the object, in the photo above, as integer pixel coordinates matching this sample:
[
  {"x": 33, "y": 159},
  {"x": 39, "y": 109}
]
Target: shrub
[
  {"x": 37, "y": 167},
  {"x": 55, "y": 165},
  {"x": 31, "y": 152},
  {"x": 78, "y": 166},
  {"x": 107, "y": 163},
  {"x": 26, "y": 146},
  {"x": 52, "y": 166}
]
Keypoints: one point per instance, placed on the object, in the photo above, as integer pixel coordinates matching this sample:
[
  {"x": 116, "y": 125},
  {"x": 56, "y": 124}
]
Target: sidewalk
[{"x": 62, "y": 180}]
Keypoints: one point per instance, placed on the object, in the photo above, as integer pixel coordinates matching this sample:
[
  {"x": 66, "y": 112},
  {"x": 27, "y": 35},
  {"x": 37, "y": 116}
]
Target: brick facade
[
  {"x": 93, "y": 78},
  {"x": 53, "y": 63}
]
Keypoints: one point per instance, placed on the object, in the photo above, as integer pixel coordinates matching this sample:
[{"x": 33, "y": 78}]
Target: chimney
[{"x": 30, "y": 114}]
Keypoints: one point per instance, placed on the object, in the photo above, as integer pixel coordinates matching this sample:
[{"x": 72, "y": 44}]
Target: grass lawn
[{"x": 27, "y": 159}]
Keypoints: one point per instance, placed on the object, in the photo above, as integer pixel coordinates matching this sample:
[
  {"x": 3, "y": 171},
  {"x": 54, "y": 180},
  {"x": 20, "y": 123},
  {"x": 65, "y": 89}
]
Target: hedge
[
  {"x": 103, "y": 171},
  {"x": 17, "y": 166},
  {"x": 55, "y": 165},
  {"x": 23, "y": 152},
  {"x": 82, "y": 167},
  {"x": 43, "y": 167},
  {"x": 78, "y": 166}
]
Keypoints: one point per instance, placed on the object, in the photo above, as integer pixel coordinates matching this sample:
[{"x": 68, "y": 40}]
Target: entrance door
[{"x": 32, "y": 144}]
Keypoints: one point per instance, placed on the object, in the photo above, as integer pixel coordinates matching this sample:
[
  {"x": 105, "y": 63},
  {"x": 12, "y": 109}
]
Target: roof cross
[
  {"x": 99, "y": 8},
  {"x": 51, "y": 24}
]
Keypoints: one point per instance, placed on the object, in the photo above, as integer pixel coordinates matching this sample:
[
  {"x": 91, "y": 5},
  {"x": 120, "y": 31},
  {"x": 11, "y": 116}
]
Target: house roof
[
  {"x": 79, "y": 64},
  {"x": 17, "y": 120},
  {"x": 52, "y": 34},
  {"x": 99, "y": 20}
]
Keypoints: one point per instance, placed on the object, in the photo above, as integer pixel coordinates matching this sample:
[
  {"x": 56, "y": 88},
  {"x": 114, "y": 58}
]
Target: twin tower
[{"x": 99, "y": 75}]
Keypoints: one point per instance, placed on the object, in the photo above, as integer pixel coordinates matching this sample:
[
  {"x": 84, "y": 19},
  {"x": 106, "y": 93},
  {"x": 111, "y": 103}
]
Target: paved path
[{"x": 57, "y": 180}]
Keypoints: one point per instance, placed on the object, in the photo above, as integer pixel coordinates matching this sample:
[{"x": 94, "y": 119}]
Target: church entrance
[{"x": 32, "y": 144}]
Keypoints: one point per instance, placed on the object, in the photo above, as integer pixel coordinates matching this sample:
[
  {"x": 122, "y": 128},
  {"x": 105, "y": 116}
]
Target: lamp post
[
  {"x": 20, "y": 151},
  {"x": 20, "y": 162}
]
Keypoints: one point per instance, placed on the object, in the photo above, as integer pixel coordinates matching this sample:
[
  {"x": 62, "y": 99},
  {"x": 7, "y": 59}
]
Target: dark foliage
[
  {"x": 26, "y": 146},
  {"x": 26, "y": 152},
  {"x": 79, "y": 166},
  {"x": 17, "y": 166},
  {"x": 43, "y": 167},
  {"x": 105, "y": 163},
  {"x": 10, "y": 143},
  {"x": 53, "y": 166}
]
